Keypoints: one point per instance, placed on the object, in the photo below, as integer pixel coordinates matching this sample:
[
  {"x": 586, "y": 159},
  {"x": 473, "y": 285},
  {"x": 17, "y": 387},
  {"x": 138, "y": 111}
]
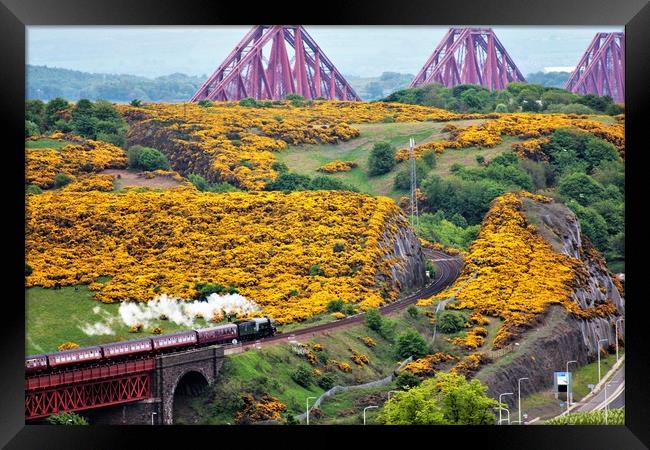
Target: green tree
[
  {"x": 411, "y": 343},
  {"x": 31, "y": 129},
  {"x": 446, "y": 399},
  {"x": 67, "y": 418},
  {"x": 382, "y": 159},
  {"x": 592, "y": 224},
  {"x": 582, "y": 188},
  {"x": 598, "y": 151},
  {"x": 53, "y": 112}
]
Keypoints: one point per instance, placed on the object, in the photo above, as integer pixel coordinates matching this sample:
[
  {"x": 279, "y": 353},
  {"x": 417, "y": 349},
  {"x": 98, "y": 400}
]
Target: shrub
[
  {"x": 349, "y": 309},
  {"x": 198, "y": 181},
  {"x": 207, "y": 289},
  {"x": 388, "y": 119},
  {"x": 135, "y": 102},
  {"x": 67, "y": 346},
  {"x": 412, "y": 311},
  {"x": 373, "y": 319},
  {"x": 407, "y": 380},
  {"x": 156, "y": 330},
  {"x": 480, "y": 159},
  {"x": 339, "y": 247},
  {"x": 146, "y": 158},
  {"x": 382, "y": 159},
  {"x": 295, "y": 99},
  {"x": 28, "y": 270},
  {"x": 303, "y": 376},
  {"x": 248, "y": 102},
  {"x": 501, "y": 108},
  {"x": 450, "y": 322},
  {"x": 33, "y": 189},
  {"x": 335, "y": 305},
  {"x": 314, "y": 270},
  {"x": 67, "y": 418},
  {"x": 429, "y": 158},
  {"x": 205, "y": 103},
  {"x": 326, "y": 382},
  {"x": 61, "y": 179},
  {"x": 411, "y": 343},
  {"x": 279, "y": 167}
]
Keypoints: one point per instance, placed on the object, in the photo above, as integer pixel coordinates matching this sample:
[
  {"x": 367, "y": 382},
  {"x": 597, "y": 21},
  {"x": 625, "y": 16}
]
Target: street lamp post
[
  {"x": 569, "y": 393},
  {"x": 153, "y": 414},
  {"x": 364, "y": 412},
  {"x": 606, "y": 402},
  {"x": 616, "y": 328},
  {"x": 601, "y": 340},
  {"x": 307, "y": 402},
  {"x": 508, "y": 411},
  {"x": 500, "y": 408},
  {"x": 519, "y": 392}
]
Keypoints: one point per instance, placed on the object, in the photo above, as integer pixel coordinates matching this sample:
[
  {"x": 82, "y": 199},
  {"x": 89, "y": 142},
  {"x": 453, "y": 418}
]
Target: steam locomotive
[{"x": 239, "y": 331}]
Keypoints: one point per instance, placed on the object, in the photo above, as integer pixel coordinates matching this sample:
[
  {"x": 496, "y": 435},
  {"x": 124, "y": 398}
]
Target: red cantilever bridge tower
[
  {"x": 601, "y": 69},
  {"x": 469, "y": 56},
  {"x": 260, "y": 67}
]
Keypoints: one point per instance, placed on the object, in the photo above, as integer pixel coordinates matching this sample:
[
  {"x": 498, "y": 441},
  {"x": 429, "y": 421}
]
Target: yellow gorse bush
[
  {"x": 234, "y": 143},
  {"x": 337, "y": 166},
  {"x": 76, "y": 160},
  {"x": 513, "y": 273},
  {"x": 265, "y": 244},
  {"x": 523, "y": 126}
]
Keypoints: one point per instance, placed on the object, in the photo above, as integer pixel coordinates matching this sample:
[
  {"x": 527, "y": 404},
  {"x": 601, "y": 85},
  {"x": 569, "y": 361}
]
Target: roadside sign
[{"x": 561, "y": 381}]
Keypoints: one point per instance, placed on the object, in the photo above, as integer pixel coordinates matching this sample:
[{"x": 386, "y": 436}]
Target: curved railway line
[{"x": 449, "y": 268}]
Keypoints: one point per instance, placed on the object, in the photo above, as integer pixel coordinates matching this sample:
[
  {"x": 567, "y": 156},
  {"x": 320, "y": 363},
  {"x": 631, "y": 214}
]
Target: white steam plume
[{"x": 182, "y": 312}]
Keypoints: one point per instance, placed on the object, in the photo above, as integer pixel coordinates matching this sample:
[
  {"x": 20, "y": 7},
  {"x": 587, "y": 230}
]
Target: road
[
  {"x": 615, "y": 394},
  {"x": 449, "y": 268}
]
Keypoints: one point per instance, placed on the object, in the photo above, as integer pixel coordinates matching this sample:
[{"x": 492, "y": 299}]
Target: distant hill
[
  {"x": 46, "y": 83},
  {"x": 549, "y": 79},
  {"x": 374, "y": 88}
]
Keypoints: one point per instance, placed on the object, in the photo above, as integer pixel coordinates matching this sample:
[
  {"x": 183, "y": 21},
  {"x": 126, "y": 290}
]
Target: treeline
[
  {"x": 515, "y": 97},
  {"x": 99, "y": 120},
  {"x": 46, "y": 83},
  {"x": 581, "y": 170}
]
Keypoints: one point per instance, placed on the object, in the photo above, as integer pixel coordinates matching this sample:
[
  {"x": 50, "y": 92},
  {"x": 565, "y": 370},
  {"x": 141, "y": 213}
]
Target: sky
[{"x": 364, "y": 51}]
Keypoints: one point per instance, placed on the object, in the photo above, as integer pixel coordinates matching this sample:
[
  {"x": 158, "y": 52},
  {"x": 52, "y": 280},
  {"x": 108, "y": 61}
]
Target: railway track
[{"x": 449, "y": 268}]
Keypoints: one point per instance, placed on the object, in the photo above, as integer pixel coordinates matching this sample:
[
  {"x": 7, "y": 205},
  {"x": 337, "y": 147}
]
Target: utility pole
[{"x": 415, "y": 221}]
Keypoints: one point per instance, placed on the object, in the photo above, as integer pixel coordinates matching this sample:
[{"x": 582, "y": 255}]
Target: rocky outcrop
[
  {"x": 403, "y": 256},
  {"x": 560, "y": 336}
]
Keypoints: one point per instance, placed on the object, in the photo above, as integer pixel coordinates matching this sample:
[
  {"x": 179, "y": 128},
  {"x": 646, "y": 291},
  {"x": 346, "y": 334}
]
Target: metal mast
[{"x": 415, "y": 221}]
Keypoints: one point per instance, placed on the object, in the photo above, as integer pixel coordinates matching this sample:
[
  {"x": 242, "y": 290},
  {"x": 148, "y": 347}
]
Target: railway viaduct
[{"x": 134, "y": 392}]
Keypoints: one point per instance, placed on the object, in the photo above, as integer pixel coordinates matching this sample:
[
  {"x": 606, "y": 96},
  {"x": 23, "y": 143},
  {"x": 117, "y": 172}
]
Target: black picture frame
[{"x": 15, "y": 15}]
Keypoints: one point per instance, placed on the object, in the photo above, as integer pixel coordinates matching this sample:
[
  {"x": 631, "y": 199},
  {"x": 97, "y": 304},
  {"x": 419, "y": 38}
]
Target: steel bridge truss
[
  {"x": 88, "y": 388},
  {"x": 469, "y": 56},
  {"x": 260, "y": 67},
  {"x": 601, "y": 69}
]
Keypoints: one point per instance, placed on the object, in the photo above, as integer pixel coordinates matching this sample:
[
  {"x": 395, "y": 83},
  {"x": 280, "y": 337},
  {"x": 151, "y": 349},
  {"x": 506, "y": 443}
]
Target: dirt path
[{"x": 125, "y": 178}]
